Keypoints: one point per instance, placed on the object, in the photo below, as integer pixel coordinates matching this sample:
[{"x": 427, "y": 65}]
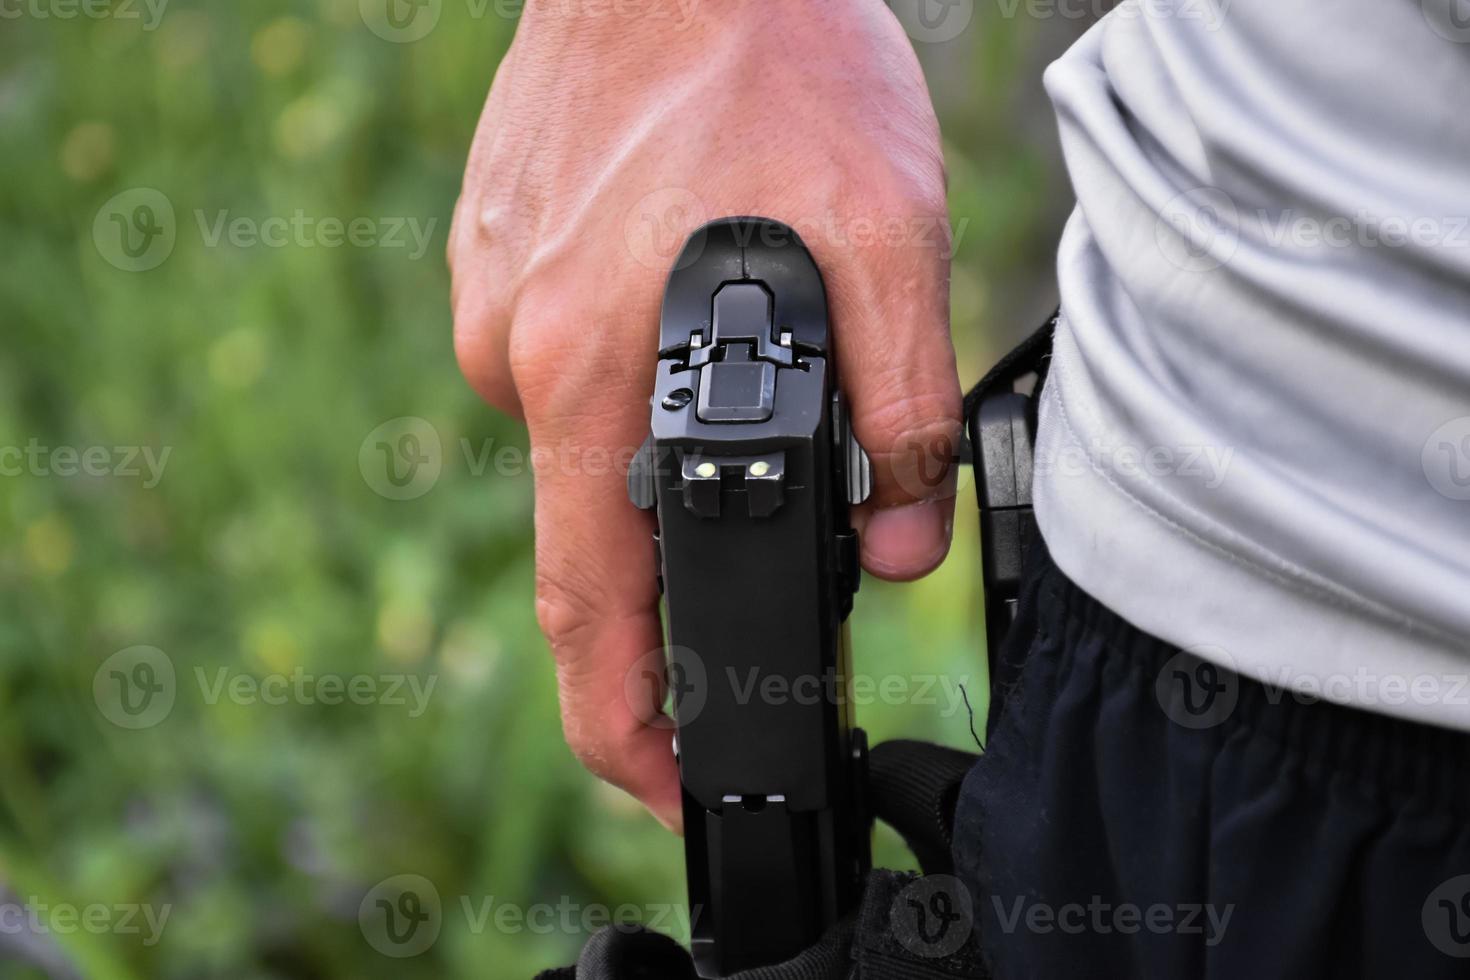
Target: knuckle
[
  {"x": 908, "y": 182},
  {"x": 915, "y": 442},
  {"x": 911, "y": 418},
  {"x": 558, "y": 354},
  {"x": 544, "y": 359},
  {"x": 564, "y": 614},
  {"x": 480, "y": 320}
]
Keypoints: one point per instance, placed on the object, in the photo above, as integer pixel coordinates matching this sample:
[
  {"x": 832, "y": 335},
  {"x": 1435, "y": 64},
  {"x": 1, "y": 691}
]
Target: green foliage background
[{"x": 263, "y": 550}]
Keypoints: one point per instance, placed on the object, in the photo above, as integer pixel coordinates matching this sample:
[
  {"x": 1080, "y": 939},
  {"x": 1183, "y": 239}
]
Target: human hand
[{"x": 605, "y": 141}]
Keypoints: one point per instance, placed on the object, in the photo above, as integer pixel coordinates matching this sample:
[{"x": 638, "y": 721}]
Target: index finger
[{"x": 596, "y": 592}]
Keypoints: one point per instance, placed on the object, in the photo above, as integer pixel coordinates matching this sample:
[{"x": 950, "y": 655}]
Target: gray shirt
[{"x": 1256, "y": 439}]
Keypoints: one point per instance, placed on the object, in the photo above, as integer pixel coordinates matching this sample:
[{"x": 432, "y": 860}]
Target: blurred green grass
[{"x": 263, "y": 549}]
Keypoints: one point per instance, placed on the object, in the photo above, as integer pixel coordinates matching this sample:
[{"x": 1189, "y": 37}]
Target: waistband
[{"x": 1396, "y": 758}]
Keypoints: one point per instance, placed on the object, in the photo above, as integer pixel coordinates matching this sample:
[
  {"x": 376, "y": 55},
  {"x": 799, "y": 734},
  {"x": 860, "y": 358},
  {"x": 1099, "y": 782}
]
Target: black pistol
[{"x": 752, "y": 467}]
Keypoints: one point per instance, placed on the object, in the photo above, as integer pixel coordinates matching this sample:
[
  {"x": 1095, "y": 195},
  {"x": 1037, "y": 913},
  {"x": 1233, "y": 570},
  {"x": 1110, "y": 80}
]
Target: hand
[{"x": 605, "y": 141}]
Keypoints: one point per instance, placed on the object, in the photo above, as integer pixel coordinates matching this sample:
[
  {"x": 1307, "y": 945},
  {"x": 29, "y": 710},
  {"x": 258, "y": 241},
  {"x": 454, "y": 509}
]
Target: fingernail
[{"x": 908, "y": 541}]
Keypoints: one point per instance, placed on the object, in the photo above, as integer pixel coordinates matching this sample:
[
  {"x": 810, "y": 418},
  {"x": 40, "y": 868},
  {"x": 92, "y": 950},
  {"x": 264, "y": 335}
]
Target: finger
[
  {"x": 481, "y": 311},
  {"x": 597, "y": 601},
  {"x": 890, "y": 311}
]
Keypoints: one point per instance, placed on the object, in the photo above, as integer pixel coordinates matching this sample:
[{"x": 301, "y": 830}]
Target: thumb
[{"x": 890, "y": 311}]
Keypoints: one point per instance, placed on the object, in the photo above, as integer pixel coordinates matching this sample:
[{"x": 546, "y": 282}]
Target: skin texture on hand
[{"x": 604, "y": 142}]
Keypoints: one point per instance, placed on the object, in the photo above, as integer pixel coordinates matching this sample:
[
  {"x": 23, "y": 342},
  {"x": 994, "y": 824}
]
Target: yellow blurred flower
[
  {"x": 271, "y": 644},
  {"x": 183, "y": 39},
  {"x": 342, "y": 13},
  {"x": 50, "y": 545},
  {"x": 307, "y": 126},
  {"x": 280, "y": 47},
  {"x": 405, "y": 627},
  {"x": 469, "y": 653},
  {"x": 237, "y": 359},
  {"x": 87, "y": 152}
]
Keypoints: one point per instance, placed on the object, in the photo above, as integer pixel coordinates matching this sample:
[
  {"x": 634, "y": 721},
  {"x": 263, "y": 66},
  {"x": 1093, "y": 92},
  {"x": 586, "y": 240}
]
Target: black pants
[{"x": 1141, "y": 814}]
